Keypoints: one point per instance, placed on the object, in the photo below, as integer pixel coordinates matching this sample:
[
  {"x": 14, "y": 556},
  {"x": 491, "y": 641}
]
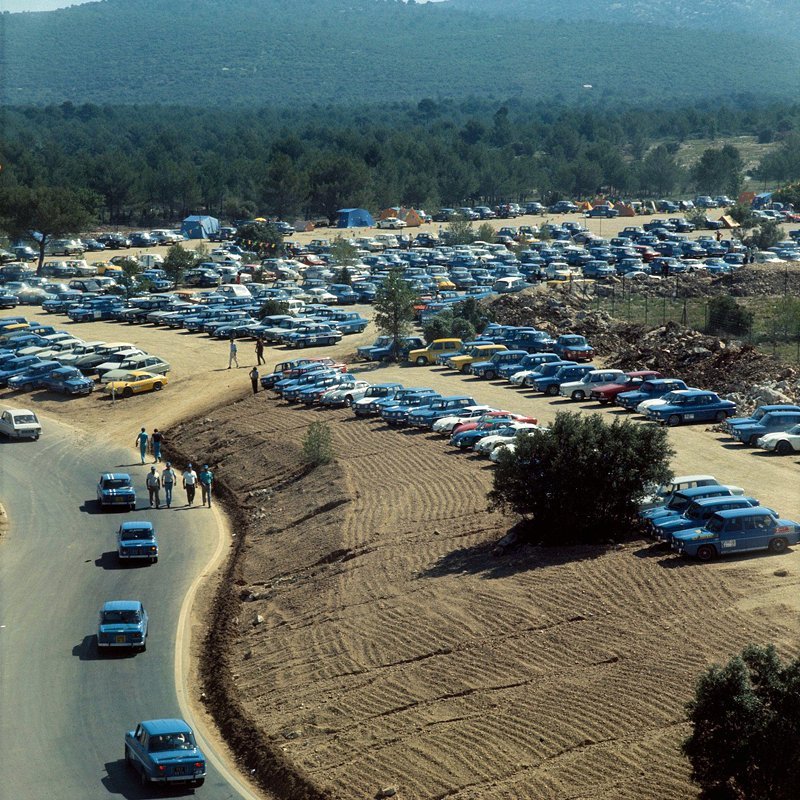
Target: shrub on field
[
  {"x": 725, "y": 315},
  {"x": 746, "y": 728},
  {"x": 580, "y": 480},
  {"x": 317, "y": 444}
]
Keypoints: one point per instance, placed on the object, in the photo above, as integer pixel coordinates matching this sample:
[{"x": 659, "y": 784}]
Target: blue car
[
  {"x": 491, "y": 369},
  {"x": 345, "y": 295},
  {"x": 17, "y": 366},
  {"x": 122, "y": 625},
  {"x": 164, "y": 751},
  {"x": 681, "y": 500},
  {"x": 292, "y": 392},
  {"x": 544, "y": 375},
  {"x": 551, "y": 384},
  {"x": 398, "y": 414},
  {"x": 376, "y": 392},
  {"x": 573, "y": 347},
  {"x": 695, "y": 405},
  {"x": 649, "y": 390},
  {"x": 115, "y": 490},
  {"x": 137, "y": 541},
  {"x": 733, "y": 422},
  {"x": 32, "y": 377},
  {"x": 443, "y": 407},
  {"x": 737, "y": 530},
  {"x": 773, "y": 422},
  {"x": 348, "y": 321},
  {"x": 698, "y": 511}
]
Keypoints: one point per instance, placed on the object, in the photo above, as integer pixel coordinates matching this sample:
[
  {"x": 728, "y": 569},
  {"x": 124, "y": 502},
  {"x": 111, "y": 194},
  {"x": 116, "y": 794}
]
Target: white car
[
  {"x": 580, "y": 390},
  {"x": 320, "y": 295},
  {"x": 345, "y": 395},
  {"x": 489, "y": 443},
  {"x": 445, "y": 425},
  {"x": 84, "y": 349},
  {"x": 661, "y": 401},
  {"x": 114, "y": 360},
  {"x": 52, "y": 351},
  {"x": 391, "y": 223},
  {"x": 19, "y": 423},
  {"x": 152, "y": 364},
  {"x": 508, "y": 446},
  {"x": 783, "y": 442},
  {"x": 661, "y": 494}
]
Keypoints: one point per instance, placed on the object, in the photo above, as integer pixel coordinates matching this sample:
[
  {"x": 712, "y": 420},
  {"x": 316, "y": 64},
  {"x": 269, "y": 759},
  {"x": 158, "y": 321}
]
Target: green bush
[
  {"x": 318, "y": 444},
  {"x": 725, "y": 315}
]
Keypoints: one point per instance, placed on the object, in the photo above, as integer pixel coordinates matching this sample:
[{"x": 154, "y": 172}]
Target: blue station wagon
[
  {"x": 698, "y": 512},
  {"x": 738, "y": 530},
  {"x": 165, "y": 751},
  {"x": 123, "y": 624}
]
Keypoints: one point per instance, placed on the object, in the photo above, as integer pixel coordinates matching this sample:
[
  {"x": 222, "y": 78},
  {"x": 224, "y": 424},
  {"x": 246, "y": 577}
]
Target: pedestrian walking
[
  {"x": 157, "y": 439},
  {"x": 260, "y": 351},
  {"x": 154, "y": 487},
  {"x": 141, "y": 440},
  {"x": 206, "y": 478},
  {"x": 168, "y": 481},
  {"x": 189, "y": 483},
  {"x": 254, "y": 379},
  {"x": 232, "y": 357}
]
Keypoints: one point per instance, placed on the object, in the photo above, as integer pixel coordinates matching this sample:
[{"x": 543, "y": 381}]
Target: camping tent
[
  {"x": 729, "y": 222},
  {"x": 411, "y": 217},
  {"x": 354, "y": 218},
  {"x": 199, "y": 227}
]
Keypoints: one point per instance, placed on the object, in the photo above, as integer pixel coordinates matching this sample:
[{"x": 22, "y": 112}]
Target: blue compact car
[
  {"x": 692, "y": 406},
  {"x": 664, "y": 528},
  {"x": 164, "y": 751},
  {"x": 137, "y": 541},
  {"x": 123, "y": 624},
  {"x": 67, "y": 380},
  {"x": 115, "y": 490},
  {"x": 649, "y": 390}
]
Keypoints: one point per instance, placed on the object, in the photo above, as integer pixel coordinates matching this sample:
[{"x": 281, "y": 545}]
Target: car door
[
  {"x": 730, "y": 537},
  {"x": 758, "y": 531}
]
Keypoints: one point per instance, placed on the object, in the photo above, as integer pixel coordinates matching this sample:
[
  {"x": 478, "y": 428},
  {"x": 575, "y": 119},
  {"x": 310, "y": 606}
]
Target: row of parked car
[{"x": 694, "y": 515}]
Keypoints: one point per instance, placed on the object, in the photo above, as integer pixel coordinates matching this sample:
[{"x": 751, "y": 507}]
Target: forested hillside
[{"x": 283, "y": 53}]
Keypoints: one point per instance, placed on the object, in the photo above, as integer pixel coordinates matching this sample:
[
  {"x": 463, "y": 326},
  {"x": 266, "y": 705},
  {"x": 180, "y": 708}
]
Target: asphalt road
[{"x": 63, "y": 709}]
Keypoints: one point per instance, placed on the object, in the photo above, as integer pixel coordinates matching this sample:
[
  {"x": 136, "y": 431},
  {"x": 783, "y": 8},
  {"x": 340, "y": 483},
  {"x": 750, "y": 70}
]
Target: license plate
[
  {"x": 178, "y": 770},
  {"x": 120, "y": 639}
]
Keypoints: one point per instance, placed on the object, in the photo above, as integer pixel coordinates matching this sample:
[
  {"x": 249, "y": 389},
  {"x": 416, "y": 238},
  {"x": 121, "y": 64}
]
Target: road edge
[{"x": 5, "y": 525}]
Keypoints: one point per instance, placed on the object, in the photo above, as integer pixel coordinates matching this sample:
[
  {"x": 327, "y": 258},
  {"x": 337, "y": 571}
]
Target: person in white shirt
[
  {"x": 190, "y": 483},
  {"x": 153, "y": 482},
  {"x": 168, "y": 480}
]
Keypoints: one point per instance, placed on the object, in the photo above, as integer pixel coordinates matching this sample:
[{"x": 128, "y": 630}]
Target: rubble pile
[{"x": 734, "y": 369}]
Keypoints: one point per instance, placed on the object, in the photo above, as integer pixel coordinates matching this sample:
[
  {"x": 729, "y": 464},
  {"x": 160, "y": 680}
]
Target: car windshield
[
  {"x": 129, "y": 534},
  {"x": 678, "y": 503},
  {"x": 171, "y": 741},
  {"x": 115, "y": 483},
  {"x": 23, "y": 419},
  {"x": 696, "y": 511},
  {"x": 128, "y": 616}
]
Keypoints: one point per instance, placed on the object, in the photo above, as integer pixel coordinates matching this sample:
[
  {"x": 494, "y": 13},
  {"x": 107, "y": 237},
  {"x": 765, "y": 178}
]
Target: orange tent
[
  {"x": 411, "y": 218},
  {"x": 625, "y": 210},
  {"x": 746, "y": 198},
  {"x": 390, "y": 212}
]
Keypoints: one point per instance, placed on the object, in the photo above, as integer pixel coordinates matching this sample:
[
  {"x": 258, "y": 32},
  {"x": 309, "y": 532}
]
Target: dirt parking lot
[{"x": 395, "y": 648}]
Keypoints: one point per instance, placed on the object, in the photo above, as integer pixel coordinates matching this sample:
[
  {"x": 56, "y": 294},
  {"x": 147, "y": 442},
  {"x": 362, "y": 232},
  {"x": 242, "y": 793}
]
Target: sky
[{"x": 36, "y": 5}]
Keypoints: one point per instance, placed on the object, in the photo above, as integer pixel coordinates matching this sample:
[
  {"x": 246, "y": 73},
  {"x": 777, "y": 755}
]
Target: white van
[
  {"x": 234, "y": 290},
  {"x": 150, "y": 260}
]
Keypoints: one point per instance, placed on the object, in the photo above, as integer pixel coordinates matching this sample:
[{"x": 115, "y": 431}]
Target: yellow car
[
  {"x": 438, "y": 347},
  {"x": 481, "y": 352},
  {"x": 137, "y": 382},
  {"x": 446, "y": 284},
  {"x": 105, "y": 268}
]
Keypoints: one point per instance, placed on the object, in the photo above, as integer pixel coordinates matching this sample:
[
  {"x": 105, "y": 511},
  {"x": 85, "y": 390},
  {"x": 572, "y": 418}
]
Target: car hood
[{"x": 694, "y": 535}]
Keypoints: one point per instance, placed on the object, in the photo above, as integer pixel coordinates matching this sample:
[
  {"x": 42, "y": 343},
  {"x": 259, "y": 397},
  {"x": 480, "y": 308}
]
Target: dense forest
[
  {"x": 226, "y": 53},
  {"x": 149, "y": 163}
]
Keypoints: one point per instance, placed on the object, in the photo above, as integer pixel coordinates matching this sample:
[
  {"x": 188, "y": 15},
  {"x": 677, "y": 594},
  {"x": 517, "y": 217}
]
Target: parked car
[
  {"x": 378, "y": 391},
  {"x": 115, "y": 490},
  {"x": 584, "y": 386},
  {"x": 31, "y": 377},
  {"x": 391, "y": 223},
  {"x": 772, "y": 422},
  {"x": 608, "y": 393},
  {"x": 573, "y": 347},
  {"x": 491, "y": 369},
  {"x": 137, "y": 541},
  {"x": 732, "y": 422},
  {"x": 783, "y": 443},
  {"x": 122, "y": 625},
  {"x": 67, "y": 380},
  {"x": 164, "y": 751},
  {"x": 345, "y": 395},
  {"x": 442, "y": 407},
  {"x": 660, "y": 495},
  {"x": 696, "y": 515},
  {"x": 652, "y": 389},
  {"x": 737, "y": 530},
  {"x": 65, "y": 247},
  {"x": 479, "y": 352},
  {"x": 399, "y": 414},
  {"x": 140, "y": 362},
  {"x": 693, "y": 406},
  {"x": 681, "y": 500},
  {"x": 427, "y": 355},
  {"x": 137, "y": 382},
  {"x": 19, "y": 423}
]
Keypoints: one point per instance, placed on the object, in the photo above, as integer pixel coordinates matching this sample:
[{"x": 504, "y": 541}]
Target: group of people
[{"x": 167, "y": 479}]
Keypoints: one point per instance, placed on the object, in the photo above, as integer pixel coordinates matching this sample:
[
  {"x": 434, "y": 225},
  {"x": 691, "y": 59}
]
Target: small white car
[
  {"x": 391, "y": 223},
  {"x": 783, "y": 443},
  {"x": 345, "y": 395},
  {"x": 114, "y": 360},
  {"x": 580, "y": 390},
  {"x": 445, "y": 425},
  {"x": 487, "y": 444},
  {"x": 19, "y": 423}
]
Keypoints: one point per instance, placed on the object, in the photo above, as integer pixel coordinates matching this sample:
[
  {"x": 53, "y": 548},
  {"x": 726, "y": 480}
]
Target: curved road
[{"x": 63, "y": 710}]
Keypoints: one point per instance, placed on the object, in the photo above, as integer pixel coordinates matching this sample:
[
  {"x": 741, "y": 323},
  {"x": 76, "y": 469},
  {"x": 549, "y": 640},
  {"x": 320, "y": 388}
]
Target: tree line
[{"x": 149, "y": 164}]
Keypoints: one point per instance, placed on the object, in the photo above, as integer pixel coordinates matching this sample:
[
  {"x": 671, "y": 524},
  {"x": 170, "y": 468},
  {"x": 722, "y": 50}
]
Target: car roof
[
  {"x": 16, "y": 411},
  {"x": 695, "y": 490},
  {"x": 115, "y": 476},
  {"x": 743, "y": 512},
  {"x": 121, "y": 605},
  {"x": 157, "y": 726},
  {"x": 137, "y": 524},
  {"x": 387, "y": 385},
  {"x": 713, "y": 501}
]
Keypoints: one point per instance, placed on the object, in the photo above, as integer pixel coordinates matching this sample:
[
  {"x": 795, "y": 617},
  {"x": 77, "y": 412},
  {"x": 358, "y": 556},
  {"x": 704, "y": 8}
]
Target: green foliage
[
  {"x": 177, "y": 261},
  {"x": 394, "y": 307},
  {"x": 460, "y": 231},
  {"x": 764, "y": 235},
  {"x": 459, "y": 321},
  {"x": 343, "y": 253},
  {"x": 742, "y": 214},
  {"x": 439, "y": 326},
  {"x": 130, "y": 269},
  {"x": 343, "y": 276},
  {"x": 463, "y": 329},
  {"x": 725, "y": 315},
  {"x": 719, "y": 170},
  {"x": 580, "y": 480},
  {"x": 788, "y": 194},
  {"x": 485, "y": 233},
  {"x": 318, "y": 444},
  {"x": 262, "y": 238},
  {"x": 271, "y": 308},
  {"x": 745, "y": 721},
  {"x": 52, "y": 211}
]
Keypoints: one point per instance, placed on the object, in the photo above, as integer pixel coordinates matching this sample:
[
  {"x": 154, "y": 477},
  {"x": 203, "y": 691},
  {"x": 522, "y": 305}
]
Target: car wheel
[
  {"x": 131, "y": 506},
  {"x": 551, "y": 391},
  {"x": 579, "y": 394},
  {"x": 348, "y": 401},
  {"x": 674, "y": 420},
  {"x": 783, "y": 448},
  {"x": 127, "y": 392},
  {"x": 753, "y": 440},
  {"x": 778, "y": 545},
  {"x": 466, "y": 369},
  {"x": 421, "y": 361},
  {"x": 720, "y": 416},
  {"x": 199, "y": 782},
  {"x": 706, "y": 552},
  {"x": 158, "y": 386},
  {"x": 490, "y": 375}
]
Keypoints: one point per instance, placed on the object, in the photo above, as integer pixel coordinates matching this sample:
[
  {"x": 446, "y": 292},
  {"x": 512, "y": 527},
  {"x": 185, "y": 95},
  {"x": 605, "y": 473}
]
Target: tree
[
  {"x": 394, "y": 308},
  {"x": 658, "y": 172},
  {"x": 725, "y": 315},
  {"x": 459, "y": 231},
  {"x": 485, "y": 233},
  {"x": 45, "y": 213},
  {"x": 719, "y": 170},
  {"x": 612, "y": 464},
  {"x": 344, "y": 254},
  {"x": 130, "y": 269},
  {"x": 271, "y": 308},
  {"x": 764, "y": 235},
  {"x": 260, "y": 237},
  {"x": 745, "y": 721},
  {"x": 177, "y": 262},
  {"x": 318, "y": 444}
]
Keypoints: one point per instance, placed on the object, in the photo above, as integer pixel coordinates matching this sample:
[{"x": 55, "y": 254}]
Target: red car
[
  {"x": 607, "y": 392},
  {"x": 501, "y": 418}
]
